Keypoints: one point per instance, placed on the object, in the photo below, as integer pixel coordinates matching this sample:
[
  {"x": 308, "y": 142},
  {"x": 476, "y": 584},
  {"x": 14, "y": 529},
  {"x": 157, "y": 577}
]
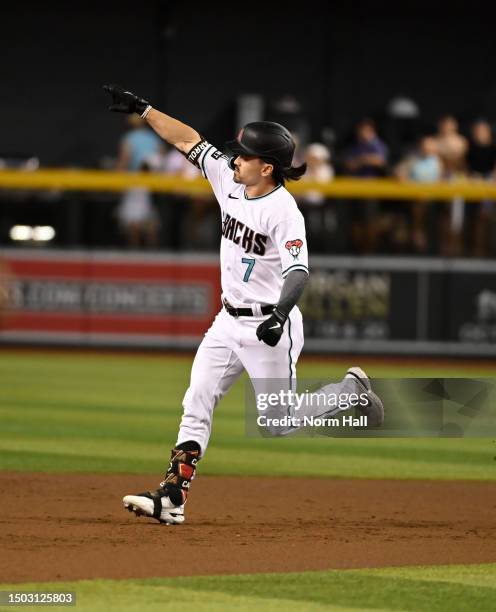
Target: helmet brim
[{"x": 238, "y": 148}]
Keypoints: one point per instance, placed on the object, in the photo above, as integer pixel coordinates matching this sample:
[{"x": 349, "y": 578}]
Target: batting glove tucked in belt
[
  {"x": 270, "y": 331},
  {"x": 124, "y": 101}
]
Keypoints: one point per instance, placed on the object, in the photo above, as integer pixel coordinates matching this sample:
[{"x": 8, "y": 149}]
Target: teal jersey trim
[
  {"x": 298, "y": 266},
  {"x": 289, "y": 353},
  {"x": 203, "y": 161},
  {"x": 262, "y": 196}
]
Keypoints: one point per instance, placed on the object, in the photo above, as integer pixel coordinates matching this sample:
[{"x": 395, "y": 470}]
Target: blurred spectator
[
  {"x": 424, "y": 166},
  {"x": 137, "y": 216},
  {"x": 452, "y": 146},
  {"x": 319, "y": 169},
  {"x": 176, "y": 164},
  {"x": 367, "y": 156},
  {"x": 194, "y": 219},
  {"x": 139, "y": 150},
  {"x": 481, "y": 164},
  {"x": 138, "y": 145},
  {"x": 320, "y": 217},
  {"x": 481, "y": 156}
]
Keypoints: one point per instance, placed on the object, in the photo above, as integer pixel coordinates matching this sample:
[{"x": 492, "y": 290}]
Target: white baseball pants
[{"x": 229, "y": 347}]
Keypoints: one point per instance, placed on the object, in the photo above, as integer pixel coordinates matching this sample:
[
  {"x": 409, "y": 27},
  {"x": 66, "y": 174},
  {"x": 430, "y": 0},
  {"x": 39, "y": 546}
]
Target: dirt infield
[{"x": 73, "y": 526}]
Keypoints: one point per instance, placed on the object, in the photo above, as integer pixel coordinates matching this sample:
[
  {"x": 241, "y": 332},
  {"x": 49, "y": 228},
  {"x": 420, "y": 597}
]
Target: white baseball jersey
[{"x": 263, "y": 238}]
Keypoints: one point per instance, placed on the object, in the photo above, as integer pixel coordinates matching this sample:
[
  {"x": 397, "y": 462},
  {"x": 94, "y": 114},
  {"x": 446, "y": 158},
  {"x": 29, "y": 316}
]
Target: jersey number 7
[{"x": 251, "y": 262}]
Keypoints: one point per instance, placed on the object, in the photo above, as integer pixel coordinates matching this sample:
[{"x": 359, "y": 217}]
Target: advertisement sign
[
  {"x": 411, "y": 306},
  {"x": 402, "y": 305},
  {"x": 474, "y": 318},
  {"x": 100, "y": 298}
]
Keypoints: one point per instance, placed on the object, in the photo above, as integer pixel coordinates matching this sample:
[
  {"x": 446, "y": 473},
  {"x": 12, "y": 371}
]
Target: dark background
[{"x": 341, "y": 60}]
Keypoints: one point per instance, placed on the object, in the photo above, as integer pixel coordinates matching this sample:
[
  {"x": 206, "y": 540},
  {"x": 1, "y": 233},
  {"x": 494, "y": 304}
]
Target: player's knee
[{"x": 199, "y": 395}]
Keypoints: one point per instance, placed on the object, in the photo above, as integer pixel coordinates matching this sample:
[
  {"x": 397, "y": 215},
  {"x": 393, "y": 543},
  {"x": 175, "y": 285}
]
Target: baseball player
[{"x": 264, "y": 269}]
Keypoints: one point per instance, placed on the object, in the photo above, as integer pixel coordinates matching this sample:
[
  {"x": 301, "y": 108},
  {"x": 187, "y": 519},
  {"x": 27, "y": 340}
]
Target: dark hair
[
  {"x": 281, "y": 175},
  {"x": 480, "y": 119}
]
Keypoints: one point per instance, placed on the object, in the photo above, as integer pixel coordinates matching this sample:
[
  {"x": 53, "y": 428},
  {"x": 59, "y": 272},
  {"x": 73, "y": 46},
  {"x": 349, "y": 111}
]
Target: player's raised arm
[{"x": 176, "y": 133}]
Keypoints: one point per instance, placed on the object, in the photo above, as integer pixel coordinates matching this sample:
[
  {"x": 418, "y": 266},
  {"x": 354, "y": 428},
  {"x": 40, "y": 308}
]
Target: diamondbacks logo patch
[{"x": 294, "y": 247}]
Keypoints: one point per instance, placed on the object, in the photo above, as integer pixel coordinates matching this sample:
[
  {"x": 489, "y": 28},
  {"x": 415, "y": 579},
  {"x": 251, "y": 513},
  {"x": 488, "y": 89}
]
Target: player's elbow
[{"x": 186, "y": 145}]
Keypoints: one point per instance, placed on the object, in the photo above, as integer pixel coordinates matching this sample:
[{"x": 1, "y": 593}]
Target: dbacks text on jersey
[{"x": 239, "y": 233}]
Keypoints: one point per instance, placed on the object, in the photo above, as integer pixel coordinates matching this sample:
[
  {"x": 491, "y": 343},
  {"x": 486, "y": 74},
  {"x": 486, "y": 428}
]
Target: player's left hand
[
  {"x": 270, "y": 331},
  {"x": 124, "y": 101}
]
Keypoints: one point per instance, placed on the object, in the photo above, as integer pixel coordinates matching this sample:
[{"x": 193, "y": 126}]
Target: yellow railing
[{"x": 100, "y": 180}]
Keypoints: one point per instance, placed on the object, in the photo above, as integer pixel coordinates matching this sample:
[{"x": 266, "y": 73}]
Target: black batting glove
[
  {"x": 124, "y": 101},
  {"x": 270, "y": 331}
]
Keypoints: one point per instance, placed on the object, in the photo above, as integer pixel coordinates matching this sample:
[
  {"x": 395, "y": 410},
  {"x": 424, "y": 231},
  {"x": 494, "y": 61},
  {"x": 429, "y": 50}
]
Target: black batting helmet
[{"x": 265, "y": 139}]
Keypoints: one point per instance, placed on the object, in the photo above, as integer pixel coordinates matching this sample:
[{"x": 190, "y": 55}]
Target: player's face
[{"x": 250, "y": 170}]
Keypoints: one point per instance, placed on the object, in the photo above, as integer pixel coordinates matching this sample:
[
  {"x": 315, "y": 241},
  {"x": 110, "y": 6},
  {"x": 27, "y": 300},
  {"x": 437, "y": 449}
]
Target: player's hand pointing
[
  {"x": 270, "y": 331},
  {"x": 124, "y": 101}
]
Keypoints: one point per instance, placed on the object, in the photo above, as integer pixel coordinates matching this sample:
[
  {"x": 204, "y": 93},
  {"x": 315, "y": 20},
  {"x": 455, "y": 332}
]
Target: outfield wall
[{"x": 385, "y": 305}]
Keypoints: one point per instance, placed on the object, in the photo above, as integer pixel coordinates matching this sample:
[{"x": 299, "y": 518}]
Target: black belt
[{"x": 245, "y": 312}]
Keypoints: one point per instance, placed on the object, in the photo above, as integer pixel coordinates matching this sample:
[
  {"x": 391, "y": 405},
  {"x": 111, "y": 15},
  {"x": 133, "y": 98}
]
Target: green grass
[
  {"x": 119, "y": 413},
  {"x": 453, "y": 588}
]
